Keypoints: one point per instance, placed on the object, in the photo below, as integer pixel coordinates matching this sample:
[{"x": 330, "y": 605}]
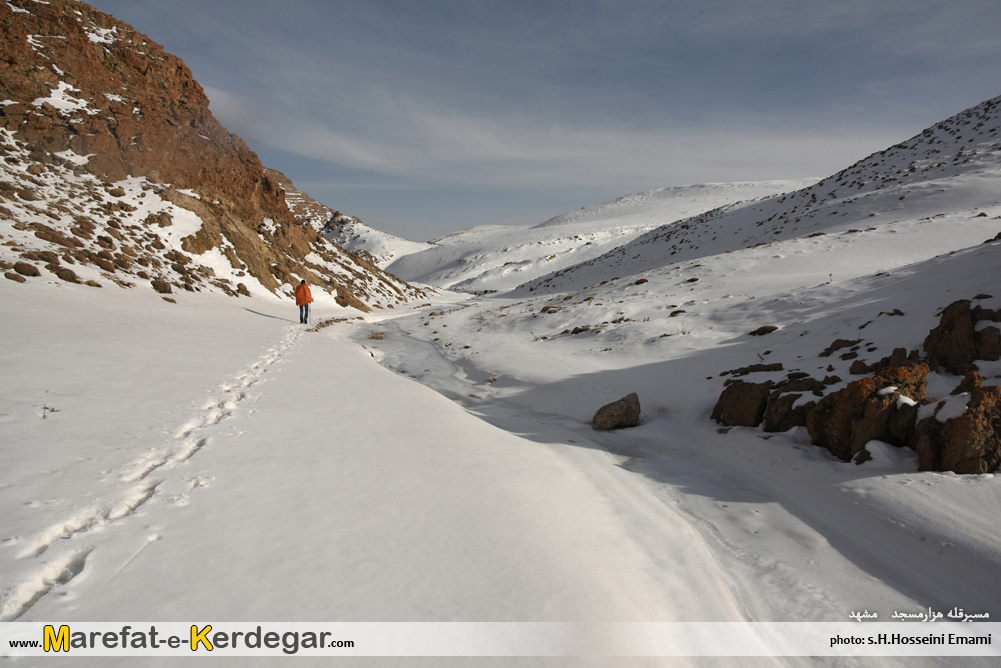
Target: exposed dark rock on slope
[
  {"x": 107, "y": 143},
  {"x": 961, "y": 434}
]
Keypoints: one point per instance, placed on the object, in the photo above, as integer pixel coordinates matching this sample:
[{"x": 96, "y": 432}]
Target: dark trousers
[{"x": 303, "y": 312}]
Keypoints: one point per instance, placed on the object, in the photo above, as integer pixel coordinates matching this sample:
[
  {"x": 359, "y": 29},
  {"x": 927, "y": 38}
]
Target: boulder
[
  {"x": 952, "y": 344},
  {"x": 844, "y": 421},
  {"x": 781, "y": 414},
  {"x": 26, "y": 269},
  {"x": 619, "y": 414},
  {"x": 970, "y": 443},
  {"x": 742, "y": 404},
  {"x": 837, "y": 345},
  {"x": 987, "y": 342}
]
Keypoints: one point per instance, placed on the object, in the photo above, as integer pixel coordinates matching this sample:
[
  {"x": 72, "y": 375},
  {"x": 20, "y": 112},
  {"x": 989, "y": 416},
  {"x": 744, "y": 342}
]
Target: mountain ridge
[{"x": 109, "y": 145}]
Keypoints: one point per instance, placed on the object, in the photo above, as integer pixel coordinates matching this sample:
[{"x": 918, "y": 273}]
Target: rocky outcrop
[
  {"x": 786, "y": 408},
  {"x": 969, "y": 443},
  {"x": 307, "y": 211},
  {"x": 619, "y": 414},
  {"x": 84, "y": 81},
  {"x": 844, "y": 421},
  {"x": 957, "y": 341},
  {"x": 90, "y": 102}
]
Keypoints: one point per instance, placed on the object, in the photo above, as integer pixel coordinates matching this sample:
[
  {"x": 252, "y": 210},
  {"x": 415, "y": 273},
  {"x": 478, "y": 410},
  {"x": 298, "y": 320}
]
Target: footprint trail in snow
[{"x": 59, "y": 552}]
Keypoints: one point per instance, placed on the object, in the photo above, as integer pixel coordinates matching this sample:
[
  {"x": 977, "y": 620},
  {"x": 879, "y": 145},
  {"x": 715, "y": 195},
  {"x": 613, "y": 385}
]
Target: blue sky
[{"x": 423, "y": 118}]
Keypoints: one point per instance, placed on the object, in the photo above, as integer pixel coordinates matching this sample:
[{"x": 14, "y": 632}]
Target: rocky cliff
[{"x": 108, "y": 144}]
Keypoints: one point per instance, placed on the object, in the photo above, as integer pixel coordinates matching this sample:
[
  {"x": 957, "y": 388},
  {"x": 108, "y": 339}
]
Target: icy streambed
[{"x": 803, "y": 536}]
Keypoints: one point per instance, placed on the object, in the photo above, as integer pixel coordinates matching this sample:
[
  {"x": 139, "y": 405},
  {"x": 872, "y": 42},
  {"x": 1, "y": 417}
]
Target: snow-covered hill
[
  {"x": 871, "y": 255},
  {"x": 933, "y": 183},
  {"x": 498, "y": 258},
  {"x": 350, "y": 233}
]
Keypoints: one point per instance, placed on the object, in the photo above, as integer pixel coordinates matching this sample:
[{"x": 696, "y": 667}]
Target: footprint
[
  {"x": 80, "y": 521},
  {"x": 190, "y": 449},
  {"x": 58, "y": 572},
  {"x": 133, "y": 501}
]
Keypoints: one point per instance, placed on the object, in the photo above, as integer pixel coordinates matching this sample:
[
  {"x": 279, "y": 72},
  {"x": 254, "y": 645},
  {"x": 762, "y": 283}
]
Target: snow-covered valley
[{"x": 206, "y": 456}]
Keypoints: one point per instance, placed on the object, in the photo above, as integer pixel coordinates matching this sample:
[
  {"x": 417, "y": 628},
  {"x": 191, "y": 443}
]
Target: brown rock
[
  {"x": 26, "y": 269},
  {"x": 970, "y": 443},
  {"x": 862, "y": 457},
  {"x": 14, "y": 277},
  {"x": 837, "y": 345},
  {"x": 987, "y": 342},
  {"x": 161, "y": 286},
  {"x": 742, "y": 404},
  {"x": 619, "y": 414},
  {"x": 67, "y": 274},
  {"x": 970, "y": 381},
  {"x": 761, "y": 331},
  {"x": 951, "y": 345},
  {"x": 858, "y": 368},
  {"x": 843, "y": 422}
]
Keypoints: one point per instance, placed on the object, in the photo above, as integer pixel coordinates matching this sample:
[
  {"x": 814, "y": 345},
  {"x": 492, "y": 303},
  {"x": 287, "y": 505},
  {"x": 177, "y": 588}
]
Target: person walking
[{"x": 303, "y": 297}]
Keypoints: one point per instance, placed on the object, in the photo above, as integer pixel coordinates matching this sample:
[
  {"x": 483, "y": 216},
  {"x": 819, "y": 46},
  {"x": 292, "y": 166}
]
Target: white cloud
[{"x": 410, "y": 140}]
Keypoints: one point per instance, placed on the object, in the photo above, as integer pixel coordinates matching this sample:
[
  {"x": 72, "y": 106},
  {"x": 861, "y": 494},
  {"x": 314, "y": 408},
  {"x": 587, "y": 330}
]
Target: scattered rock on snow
[
  {"x": 753, "y": 368},
  {"x": 837, "y": 345},
  {"x": 742, "y": 404},
  {"x": 761, "y": 331},
  {"x": 26, "y": 269},
  {"x": 619, "y": 414}
]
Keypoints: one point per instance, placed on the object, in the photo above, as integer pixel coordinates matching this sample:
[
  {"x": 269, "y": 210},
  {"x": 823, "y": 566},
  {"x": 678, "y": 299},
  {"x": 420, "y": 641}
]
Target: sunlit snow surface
[{"x": 212, "y": 459}]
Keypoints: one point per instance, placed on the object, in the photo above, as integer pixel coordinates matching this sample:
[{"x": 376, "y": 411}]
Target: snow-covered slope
[
  {"x": 938, "y": 179},
  {"x": 804, "y": 535},
  {"x": 497, "y": 258},
  {"x": 351, "y": 234},
  {"x": 59, "y": 222}
]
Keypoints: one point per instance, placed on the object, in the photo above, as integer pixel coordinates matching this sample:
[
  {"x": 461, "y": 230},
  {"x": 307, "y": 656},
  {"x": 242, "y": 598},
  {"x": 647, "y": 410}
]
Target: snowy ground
[{"x": 213, "y": 459}]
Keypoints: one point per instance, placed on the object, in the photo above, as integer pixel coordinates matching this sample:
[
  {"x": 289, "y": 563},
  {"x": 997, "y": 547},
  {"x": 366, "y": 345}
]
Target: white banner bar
[{"x": 500, "y": 639}]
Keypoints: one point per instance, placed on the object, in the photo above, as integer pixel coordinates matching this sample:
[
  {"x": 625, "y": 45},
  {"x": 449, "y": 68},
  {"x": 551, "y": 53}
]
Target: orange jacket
[{"x": 303, "y": 295}]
